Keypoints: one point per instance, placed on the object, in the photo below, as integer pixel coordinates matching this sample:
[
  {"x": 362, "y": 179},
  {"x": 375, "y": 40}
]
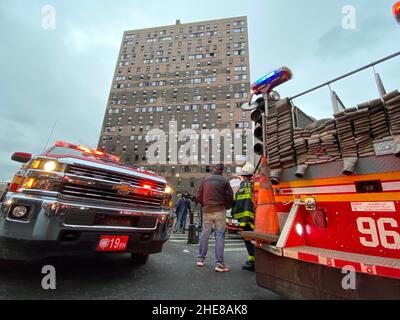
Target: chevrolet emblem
[{"x": 125, "y": 188}]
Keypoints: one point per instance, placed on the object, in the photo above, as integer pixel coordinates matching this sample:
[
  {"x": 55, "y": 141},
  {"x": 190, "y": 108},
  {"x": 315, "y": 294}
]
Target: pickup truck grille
[
  {"x": 110, "y": 176},
  {"x": 105, "y": 193}
]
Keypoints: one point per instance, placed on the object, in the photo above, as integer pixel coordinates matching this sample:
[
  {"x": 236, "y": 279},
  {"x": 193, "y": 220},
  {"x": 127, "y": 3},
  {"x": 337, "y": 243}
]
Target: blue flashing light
[
  {"x": 272, "y": 80},
  {"x": 267, "y": 78}
]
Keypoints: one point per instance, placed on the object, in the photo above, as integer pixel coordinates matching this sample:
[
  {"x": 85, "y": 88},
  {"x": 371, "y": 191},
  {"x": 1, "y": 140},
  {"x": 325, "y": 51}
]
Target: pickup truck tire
[{"x": 139, "y": 259}]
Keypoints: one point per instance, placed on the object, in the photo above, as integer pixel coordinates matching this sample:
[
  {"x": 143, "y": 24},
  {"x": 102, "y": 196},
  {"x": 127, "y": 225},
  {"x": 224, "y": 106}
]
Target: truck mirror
[{"x": 21, "y": 157}]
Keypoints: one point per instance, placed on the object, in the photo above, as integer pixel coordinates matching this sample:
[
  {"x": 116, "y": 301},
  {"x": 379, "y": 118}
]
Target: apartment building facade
[{"x": 190, "y": 77}]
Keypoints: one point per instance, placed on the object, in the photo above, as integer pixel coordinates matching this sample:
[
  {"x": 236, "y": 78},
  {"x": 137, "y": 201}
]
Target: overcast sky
[{"x": 66, "y": 73}]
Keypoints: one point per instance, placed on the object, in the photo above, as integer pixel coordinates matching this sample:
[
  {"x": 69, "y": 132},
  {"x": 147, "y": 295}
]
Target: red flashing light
[
  {"x": 15, "y": 183},
  {"x": 87, "y": 150},
  {"x": 113, "y": 158},
  {"x": 396, "y": 9},
  {"x": 99, "y": 153},
  {"x": 84, "y": 149},
  {"x": 63, "y": 144},
  {"x": 147, "y": 186},
  {"x": 13, "y": 187}
]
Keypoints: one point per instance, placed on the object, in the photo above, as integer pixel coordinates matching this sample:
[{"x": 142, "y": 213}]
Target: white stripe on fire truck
[
  {"x": 386, "y": 186},
  {"x": 291, "y": 254},
  {"x": 391, "y": 186},
  {"x": 368, "y": 269},
  {"x": 320, "y": 190}
]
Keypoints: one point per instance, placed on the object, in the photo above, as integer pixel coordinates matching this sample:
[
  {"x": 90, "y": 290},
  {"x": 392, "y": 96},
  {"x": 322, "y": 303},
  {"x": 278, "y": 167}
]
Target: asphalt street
[{"x": 171, "y": 275}]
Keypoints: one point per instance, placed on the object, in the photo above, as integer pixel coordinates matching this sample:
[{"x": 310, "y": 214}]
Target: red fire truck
[{"x": 337, "y": 221}]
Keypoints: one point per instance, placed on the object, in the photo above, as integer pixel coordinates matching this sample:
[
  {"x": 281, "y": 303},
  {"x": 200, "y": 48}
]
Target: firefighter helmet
[{"x": 247, "y": 170}]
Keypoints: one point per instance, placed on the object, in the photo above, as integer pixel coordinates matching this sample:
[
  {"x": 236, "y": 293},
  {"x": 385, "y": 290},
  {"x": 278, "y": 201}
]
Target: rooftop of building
[{"x": 188, "y": 24}]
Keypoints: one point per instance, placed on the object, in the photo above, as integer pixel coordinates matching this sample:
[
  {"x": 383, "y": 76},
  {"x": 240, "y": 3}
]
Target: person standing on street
[
  {"x": 188, "y": 211},
  {"x": 180, "y": 211},
  {"x": 243, "y": 211},
  {"x": 215, "y": 196}
]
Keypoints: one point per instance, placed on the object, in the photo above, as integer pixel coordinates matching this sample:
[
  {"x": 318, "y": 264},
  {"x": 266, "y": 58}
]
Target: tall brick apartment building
[{"x": 194, "y": 74}]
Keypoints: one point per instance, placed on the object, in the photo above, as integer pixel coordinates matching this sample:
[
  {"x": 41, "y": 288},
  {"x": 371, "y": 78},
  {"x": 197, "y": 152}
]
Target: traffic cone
[{"x": 266, "y": 213}]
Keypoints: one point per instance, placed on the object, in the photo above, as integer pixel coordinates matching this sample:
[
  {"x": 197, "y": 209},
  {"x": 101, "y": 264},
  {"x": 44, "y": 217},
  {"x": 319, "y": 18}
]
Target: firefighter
[{"x": 243, "y": 210}]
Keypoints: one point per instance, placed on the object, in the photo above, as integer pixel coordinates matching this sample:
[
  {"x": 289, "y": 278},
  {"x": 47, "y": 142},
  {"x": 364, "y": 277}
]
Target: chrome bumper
[{"x": 51, "y": 213}]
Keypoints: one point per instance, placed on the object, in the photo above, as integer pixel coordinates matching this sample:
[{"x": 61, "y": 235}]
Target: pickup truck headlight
[
  {"x": 168, "y": 189},
  {"x": 41, "y": 184},
  {"x": 42, "y": 181},
  {"x": 50, "y": 166},
  {"x": 167, "y": 201},
  {"x": 47, "y": 165}
]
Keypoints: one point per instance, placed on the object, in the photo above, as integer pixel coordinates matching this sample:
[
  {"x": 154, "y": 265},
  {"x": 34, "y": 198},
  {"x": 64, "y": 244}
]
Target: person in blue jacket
[{"x": 180, "y": 212}]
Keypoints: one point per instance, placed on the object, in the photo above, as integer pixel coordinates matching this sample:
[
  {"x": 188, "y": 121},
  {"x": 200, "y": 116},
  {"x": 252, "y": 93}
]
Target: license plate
[{"x": 112, "y": 243}]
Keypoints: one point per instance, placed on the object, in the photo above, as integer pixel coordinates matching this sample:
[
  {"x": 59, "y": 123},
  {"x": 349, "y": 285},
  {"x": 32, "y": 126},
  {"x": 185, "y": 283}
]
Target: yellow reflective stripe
[
  {"x": 243, "y": 224},
  {"x": 252, "y": 259},
  {"x": 244, "y": 214},
  {"x": 244, "y": 197}
]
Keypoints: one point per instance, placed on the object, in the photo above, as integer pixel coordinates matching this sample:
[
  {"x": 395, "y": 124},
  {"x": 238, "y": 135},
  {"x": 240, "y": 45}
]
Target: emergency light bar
[
  {"x": 396, "y": 11},
  {"x": 87, "y": 150},
  {"x": 266, "y": 84},
  {"x": 270, "y": 81}
]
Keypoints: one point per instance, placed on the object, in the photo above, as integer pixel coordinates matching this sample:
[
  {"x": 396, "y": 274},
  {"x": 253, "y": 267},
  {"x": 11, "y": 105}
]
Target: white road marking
[
  {"x": 235, "y": 249},
  {"x": 233, "y": 243}
]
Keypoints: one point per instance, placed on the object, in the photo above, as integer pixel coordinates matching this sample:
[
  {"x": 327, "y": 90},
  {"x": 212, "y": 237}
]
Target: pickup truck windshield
[
  {"x": 61, "y": 151},
  {"x": 57, "y": 151}
]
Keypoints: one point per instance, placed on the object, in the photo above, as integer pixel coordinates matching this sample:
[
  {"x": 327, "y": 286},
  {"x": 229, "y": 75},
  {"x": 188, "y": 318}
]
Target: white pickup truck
[{"x": 73, "y": 200}]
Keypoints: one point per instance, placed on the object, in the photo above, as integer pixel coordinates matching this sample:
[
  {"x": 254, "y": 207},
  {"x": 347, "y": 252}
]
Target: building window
[
  {"x": 210, "y": 80},
  {"x": 239, "y": 52},
  {"x": 240, "y": 95},
  {"x": 240, "y": 68},
  {"x": 238, "y": 23}
]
